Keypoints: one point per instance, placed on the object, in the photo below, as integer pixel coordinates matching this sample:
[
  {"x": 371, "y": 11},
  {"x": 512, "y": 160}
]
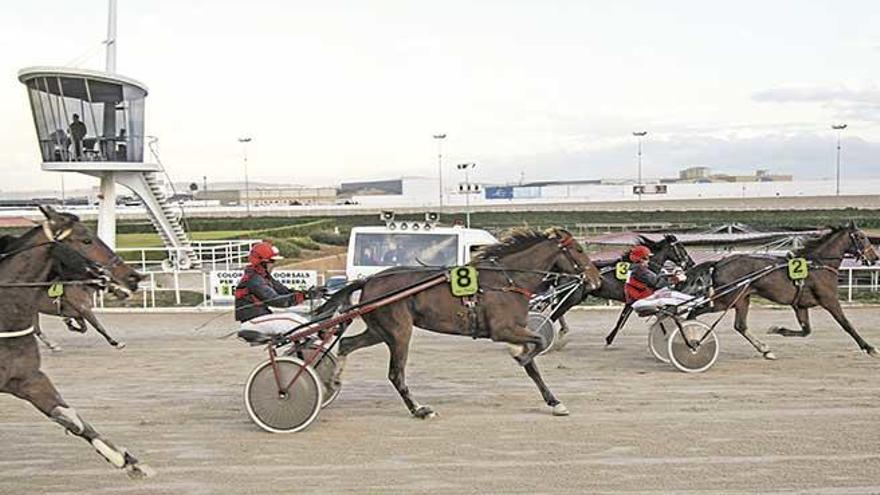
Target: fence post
[
  {"x": 205, "y": 289},
  {"x": 850, "y": 285},
  {"x": 177, "y": 286},
  {"x": 153, "y": 289}
]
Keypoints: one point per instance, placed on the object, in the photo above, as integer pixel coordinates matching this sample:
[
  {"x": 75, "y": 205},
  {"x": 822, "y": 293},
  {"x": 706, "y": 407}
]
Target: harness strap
[
  {"x": 519, "y": 290},
  {"x": 18, "y": 333}
]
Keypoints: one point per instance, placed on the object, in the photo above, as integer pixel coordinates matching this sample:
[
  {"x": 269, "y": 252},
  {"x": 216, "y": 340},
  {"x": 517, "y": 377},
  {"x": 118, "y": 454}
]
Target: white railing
[
  {"x": 863, "y": 278},
  {"x": 210, "y": 255}
]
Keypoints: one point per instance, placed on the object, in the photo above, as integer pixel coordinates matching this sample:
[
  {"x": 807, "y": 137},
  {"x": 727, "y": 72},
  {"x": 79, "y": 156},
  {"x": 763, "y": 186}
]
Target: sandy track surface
[{"x": 806, "y": 423}]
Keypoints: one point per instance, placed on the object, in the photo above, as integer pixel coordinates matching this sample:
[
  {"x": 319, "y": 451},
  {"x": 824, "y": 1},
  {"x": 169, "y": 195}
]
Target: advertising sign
[{"x": 223, "y": 282}]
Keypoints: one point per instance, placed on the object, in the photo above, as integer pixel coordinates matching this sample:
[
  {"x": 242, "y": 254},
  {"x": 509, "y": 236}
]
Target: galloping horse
[
  {"x": 24, "y": 275},
  {"x": 666, "y": 249},
  {"x": 824, "y": 255},
  {"x": 509, "y": 273}
]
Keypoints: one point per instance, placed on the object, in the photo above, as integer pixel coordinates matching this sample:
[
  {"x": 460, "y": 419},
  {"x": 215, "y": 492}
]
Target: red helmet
[
  {"x": 639, "y": 253},
  {"x": 262, "y": 252}
]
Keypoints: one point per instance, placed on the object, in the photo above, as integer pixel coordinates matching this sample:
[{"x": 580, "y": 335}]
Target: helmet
[
  {"x": 639, "y": 253},
  {"x": 262, "y": 252}
]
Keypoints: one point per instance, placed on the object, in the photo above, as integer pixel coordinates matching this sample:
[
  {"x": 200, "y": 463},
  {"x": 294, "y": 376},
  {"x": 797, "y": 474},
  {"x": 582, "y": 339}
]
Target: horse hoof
[
  {"x": 119, "y": 346},
  {"x": 774, "y": 330},
  {"x": 872, "y": 351},
  {"x": 139, "y": 471},
  {"x": 56, "y": 348},
  {"x": 770, "y": 356},
  {"x": 560, "y": 410},
  {"x": 424, "y": 412}
]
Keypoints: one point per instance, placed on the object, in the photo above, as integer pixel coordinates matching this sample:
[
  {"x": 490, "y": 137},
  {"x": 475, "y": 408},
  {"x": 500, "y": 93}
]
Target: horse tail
[{"x": 341, "y": 297}]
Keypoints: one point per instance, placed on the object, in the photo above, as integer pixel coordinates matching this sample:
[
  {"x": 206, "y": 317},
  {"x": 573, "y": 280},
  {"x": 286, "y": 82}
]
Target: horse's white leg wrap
[
  {"x": 112, "y": 455},
  {"x": 69, "y": 419}
]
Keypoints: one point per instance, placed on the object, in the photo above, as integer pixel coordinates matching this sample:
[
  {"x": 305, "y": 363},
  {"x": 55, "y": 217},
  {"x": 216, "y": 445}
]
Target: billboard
[
  {"x": 499, "y": 192},
  {"x": 223, "y": 282}
]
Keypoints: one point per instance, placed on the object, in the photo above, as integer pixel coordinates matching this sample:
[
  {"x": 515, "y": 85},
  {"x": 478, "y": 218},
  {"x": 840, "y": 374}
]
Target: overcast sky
[{"x": 338, "y": 91}]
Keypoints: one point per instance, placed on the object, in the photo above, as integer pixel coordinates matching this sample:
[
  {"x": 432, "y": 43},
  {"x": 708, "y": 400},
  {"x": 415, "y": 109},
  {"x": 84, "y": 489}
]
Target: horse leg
[
  {"x": 39, "y": 391},
  {"x": 559, "y": 408},
  {"x": 519, "y": 338},
  {"x": 621, "y": 321},
  {"x": 347, "y": 345},
  {"x": 741, "y": 326},
  {"x": 38, "y": 331},
  {"x": 398, "y": 347},
  {"x": 803, "y": 318},
  {"x": 86, "y": 314},
  {"x": 562, "y": 339},
  {"x": 836, "y": 311}
]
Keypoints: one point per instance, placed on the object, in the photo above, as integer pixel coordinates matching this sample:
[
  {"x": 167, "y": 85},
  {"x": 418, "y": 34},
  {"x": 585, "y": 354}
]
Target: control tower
[{"x": 92, "y": 122}]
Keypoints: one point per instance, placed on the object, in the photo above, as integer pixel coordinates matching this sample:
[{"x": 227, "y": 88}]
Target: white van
[{"x": 401, "y": 243}]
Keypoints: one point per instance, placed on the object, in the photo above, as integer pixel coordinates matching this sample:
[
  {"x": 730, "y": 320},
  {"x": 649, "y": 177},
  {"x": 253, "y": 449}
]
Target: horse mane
[
  {"x": 514, "y": 240},
  {"x": 815, "y": 243}
]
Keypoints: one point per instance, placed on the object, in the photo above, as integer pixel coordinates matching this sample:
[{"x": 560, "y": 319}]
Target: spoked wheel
[
  {"x": 542, "y": 326},
  {"x": 693, "y": 348},
  {"x": 657, "y": 338},
  {"x": 325, "y": 369},
  {"x": 278, "y": 412}
]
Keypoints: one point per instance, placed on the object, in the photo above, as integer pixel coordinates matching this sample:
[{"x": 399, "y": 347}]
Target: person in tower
[
  {"x": 643, "y": 286},
  {"x": 77, "y": 132},
  {"x": 257, "y": 291}
]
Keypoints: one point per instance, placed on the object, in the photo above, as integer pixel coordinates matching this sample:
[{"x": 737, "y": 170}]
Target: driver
[
  {"x": 641, "y": 281},
  {"x": 258, "y": 290}
]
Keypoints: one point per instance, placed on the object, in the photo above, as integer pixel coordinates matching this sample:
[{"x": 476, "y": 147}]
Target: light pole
[
  {"x": 440, "y": 138},
  {"x": 467, "y": 190},
  {"x": 247, "y": 185},
  {"x": 838, "y": 128},
  {"x": 639, "y": 135}
]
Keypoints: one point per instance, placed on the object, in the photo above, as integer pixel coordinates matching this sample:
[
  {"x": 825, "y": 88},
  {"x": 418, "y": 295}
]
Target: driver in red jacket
[
  {"x": 257, "y": 291},
  {"x": 641, "y": 281}
]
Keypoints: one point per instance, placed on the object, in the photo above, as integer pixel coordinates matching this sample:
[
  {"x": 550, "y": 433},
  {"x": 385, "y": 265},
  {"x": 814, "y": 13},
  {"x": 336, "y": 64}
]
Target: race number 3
[
  {"x": 621, "y": 270},
  {"x": 463, "y": 281},
  {"x": 798, "y": 269}
]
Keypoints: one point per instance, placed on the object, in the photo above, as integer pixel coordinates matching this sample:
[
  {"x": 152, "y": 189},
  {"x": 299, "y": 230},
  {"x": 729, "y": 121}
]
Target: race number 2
[
  {"x": 621, "y": 270},
  {"x": 798, "y": 269},
  {"x": 463, "y": 281}
]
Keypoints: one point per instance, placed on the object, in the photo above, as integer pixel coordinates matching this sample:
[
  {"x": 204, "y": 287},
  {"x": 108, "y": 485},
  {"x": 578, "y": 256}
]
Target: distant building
[
  {"x": 271, "y": 196},
  {"x": 699, "y": 175}
]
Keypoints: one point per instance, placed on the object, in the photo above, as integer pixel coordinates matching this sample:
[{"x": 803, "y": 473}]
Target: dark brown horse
[
  {"x": 666, "y": 249},
  {"x": 24, "y": 276},
  {"x": 824, "y": 255},
  {"x": 509, "y": 273}
]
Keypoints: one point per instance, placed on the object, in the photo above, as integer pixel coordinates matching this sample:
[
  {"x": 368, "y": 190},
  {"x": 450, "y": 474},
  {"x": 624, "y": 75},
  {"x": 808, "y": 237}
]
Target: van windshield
[{"x": 405, "y": 249}]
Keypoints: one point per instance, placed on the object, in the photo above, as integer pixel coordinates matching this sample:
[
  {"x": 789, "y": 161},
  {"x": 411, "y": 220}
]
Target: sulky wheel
[
  {"x": 693, "y": 348},
  {"x": 325, "y": 368},
  {"x": 278, "y": 412},
  {"x": 657, "y": 338},
  {"x": 542, "y": 326}
]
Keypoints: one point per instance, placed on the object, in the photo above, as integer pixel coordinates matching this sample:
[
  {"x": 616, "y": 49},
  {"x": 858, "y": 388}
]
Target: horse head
[
  {"x": 860, "y": 245},
  {"x": 572, "y": 258},
  {"x": 82, "y": 254}
]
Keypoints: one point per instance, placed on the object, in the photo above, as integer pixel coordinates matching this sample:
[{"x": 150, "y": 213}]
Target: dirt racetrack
[{"x": 807, "y": 423}]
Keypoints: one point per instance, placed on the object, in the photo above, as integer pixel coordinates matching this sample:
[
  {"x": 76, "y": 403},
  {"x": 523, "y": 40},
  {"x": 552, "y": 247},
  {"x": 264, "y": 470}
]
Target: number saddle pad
[
  {"x": 56, "y": 290},
  {"x": 798, "y": 268},
  {"x": 621, "y": 270},
  {"x": 463, "y": 281}
]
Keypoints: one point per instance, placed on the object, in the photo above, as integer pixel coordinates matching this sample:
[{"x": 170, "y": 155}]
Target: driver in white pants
[{"x": 258, "y": 291}]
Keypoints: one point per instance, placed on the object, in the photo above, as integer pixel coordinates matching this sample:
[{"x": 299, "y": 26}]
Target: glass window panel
[{"x": 405, "y": 249}]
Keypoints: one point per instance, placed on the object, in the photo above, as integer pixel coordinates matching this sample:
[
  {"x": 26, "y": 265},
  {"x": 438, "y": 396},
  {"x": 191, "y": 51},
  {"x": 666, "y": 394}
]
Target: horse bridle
[{"x": 862, "y": 248}]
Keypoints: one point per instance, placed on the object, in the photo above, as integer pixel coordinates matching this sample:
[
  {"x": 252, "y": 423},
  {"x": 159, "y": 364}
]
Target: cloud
[{"x": 856, "y": 104}]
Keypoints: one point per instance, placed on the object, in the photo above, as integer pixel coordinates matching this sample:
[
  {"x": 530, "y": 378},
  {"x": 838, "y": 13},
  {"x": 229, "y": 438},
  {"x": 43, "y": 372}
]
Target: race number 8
[
  {"x": 798, "y": 269},
  {"x": 621, "y": 270},
  {"x": 463, "y": 281}
]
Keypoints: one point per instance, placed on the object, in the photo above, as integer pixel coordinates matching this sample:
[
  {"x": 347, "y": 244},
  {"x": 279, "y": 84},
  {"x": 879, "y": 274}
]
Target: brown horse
[
  {"x": 24, "y": 276},
  {"x": 824, "y": 255},
  {"x": 508, "y": 272}
]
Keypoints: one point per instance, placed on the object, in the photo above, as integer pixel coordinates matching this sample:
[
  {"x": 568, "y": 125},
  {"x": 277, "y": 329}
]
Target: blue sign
[{"x": 499, "y": 192}]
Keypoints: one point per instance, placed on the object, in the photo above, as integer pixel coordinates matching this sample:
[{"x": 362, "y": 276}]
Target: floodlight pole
[
  {"x": 247, "y": 185},
  {"x": 440, "y": 138},
  {"x": 467, "y": 190},
  {"x": 838, "y": 128},
  {"x": 107, "y": 188},
  {"x": 639, "y": 135}
]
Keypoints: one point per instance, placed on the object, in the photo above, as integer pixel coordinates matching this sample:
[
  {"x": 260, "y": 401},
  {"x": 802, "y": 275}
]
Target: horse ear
[
  {"x": 50, "y": 213},
  {"x": 670, "y": 237},
  {"x": 852, "y": 224}
]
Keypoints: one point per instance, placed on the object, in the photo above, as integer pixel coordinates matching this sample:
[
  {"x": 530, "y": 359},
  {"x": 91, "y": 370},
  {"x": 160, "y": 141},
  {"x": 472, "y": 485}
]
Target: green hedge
[{"x": 329, "y": 237}]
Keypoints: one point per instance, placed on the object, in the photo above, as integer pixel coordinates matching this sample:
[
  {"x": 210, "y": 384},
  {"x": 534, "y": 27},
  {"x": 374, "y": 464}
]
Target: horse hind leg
[
  {"x": 621, "y": 321},
  {"x": 347, "y": 345},
  {"x": 803, "y": 318},
  {"x": 741, "y": 326},
  {"x": 39, "y": 391}
]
